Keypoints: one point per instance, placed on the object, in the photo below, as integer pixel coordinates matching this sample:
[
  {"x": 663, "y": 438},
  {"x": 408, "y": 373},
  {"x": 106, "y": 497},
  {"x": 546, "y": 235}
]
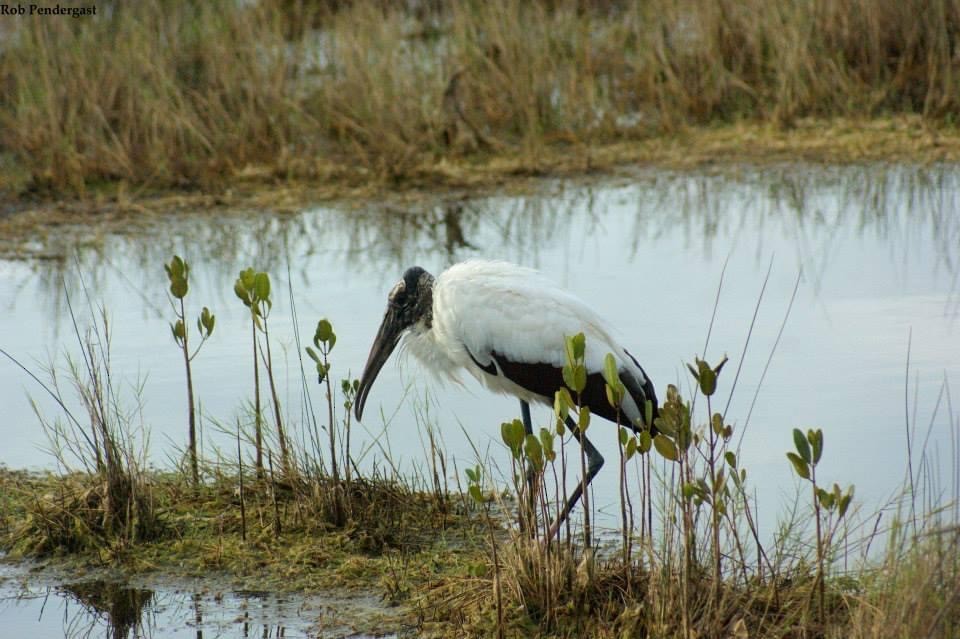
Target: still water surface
[
  {"x": 48, "y": 608},
  {"x": 876, "y": 250}
]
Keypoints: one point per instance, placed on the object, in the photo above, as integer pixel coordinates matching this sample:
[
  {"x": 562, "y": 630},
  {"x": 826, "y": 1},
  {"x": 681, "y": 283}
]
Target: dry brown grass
[
  {"x": 914, "y": 593},
  {"x": 192, "y": 94},
  {"x": 170, "y": 93}
]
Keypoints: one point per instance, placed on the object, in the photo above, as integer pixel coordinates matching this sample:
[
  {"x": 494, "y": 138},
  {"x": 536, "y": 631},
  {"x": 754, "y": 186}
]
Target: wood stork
[{"x": 505, "y": 325}]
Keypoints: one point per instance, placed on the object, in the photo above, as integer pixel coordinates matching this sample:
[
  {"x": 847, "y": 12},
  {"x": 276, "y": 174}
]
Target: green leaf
[
  {"x": 178, "y": 287},
  {"x": 707, "y": 379},
  {"x": 313, "y": 354},
  {"x": 248, "y": 277},
  {"x": 801, "y": 444},
  {"x": 580, "y": 378},
  {"x": 646, "y": 441},
  {"x": 610, "y": 374},
  {"x": 719, "y": 367},
  {"x": 717, "y": 423},
  {"x": 673, "y": 395},
  {"x": 324, "y": 332},
  {"x": 569, "y": 352},
  {"x": 845, "y": 502},
  {"x": 583, "y": 423},
  {"x": 472, "y": 475},
  {"x": 241, "y": 292},
  {"x": 562, "y": 403},
  {"x": 816, "y": 440},
  {"x": 825, "y": 498},
  {"x": 568, "y": 378},
  {"x": 666, "y": 447},
  {"x": 631, "y": 448},
  {"x": 206, "y": 321},
  {"x": 799, "y": 465},
  {"x": 731, "y": 458},
  {"x": 624, "y": 436},
  {"x": 533, "y": 452},
  {"x": 611, "y": 396},
  {"x": 177, "y": 268},
  {"x": 475, "y": 493},
  {"x": 546, "y": 441},
  {"x": 579, "y": 346},
  {"x": 513, "y": 434},
  {"x": 179, "y": 330},
  {"x": 648, "y": 412},
  {"x": 261, "y": 285}
]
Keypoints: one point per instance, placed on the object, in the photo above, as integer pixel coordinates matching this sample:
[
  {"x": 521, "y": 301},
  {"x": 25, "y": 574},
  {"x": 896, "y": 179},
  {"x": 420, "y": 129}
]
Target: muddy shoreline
[{"x": 25, "y": 216}]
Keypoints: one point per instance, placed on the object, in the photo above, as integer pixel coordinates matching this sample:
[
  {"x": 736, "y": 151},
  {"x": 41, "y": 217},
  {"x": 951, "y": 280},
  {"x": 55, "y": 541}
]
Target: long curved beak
[{"x": 387, "y": 338}]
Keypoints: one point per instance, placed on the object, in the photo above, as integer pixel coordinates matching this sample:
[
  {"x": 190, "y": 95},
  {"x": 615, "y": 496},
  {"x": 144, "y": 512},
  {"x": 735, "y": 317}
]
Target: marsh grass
[
  {"x": 157, "y": 94},
  {"x": 104, "y": 501},
  {"x": 803, "y": 582}
]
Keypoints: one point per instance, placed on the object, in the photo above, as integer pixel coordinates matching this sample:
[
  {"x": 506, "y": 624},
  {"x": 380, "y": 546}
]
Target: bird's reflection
[{"x": 117, "y": 608}]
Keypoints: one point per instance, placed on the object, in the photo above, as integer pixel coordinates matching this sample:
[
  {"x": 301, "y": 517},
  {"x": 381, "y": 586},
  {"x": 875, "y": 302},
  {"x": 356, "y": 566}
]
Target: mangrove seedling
[
  {"x": 325, "y": 339},
  {"x": 809, "y": 449},
  {"x": 178, "y": 272},
  {"x": 253, "y": 289}
]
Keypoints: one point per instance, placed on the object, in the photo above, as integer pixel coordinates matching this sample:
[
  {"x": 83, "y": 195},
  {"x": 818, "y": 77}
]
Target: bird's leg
[
  {"x": 528, "y": 518},
  {"x": 594, "y": 464}
]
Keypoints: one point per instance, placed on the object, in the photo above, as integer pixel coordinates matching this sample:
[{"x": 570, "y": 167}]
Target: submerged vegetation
[
  {"x": 687, "y": 560},
  {"x": 183, "y": 94}
]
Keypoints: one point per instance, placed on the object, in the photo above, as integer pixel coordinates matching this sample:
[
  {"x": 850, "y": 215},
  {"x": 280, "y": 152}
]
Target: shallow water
[
  {"x": 43, "y": 607},
  {"x": 876, "y": 250}
]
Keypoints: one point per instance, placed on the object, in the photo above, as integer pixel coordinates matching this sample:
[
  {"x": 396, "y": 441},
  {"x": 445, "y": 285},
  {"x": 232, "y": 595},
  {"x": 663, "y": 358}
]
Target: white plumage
[
  {"x": 482, "y": 306},
  {"x": 506, "y": 326}
]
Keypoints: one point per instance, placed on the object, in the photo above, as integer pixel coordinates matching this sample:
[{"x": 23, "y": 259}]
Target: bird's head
[{"x": 410, "y": 304}]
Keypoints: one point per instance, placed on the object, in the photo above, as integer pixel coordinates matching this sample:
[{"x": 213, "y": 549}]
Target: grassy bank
[
  {"x": 53, "y": 518},
  {"x": 157, "y": 95}
]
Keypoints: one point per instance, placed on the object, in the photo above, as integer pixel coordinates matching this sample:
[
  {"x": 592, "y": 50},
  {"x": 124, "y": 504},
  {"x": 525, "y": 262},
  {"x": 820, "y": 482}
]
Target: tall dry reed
[{"x": 183, "y": 93}]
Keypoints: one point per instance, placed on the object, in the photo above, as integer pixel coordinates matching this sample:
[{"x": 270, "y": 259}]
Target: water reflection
[
  {"x": 115, "y": 610},
  {"x": 102, "y": 604},
  {"x": 808, "y": 204}
]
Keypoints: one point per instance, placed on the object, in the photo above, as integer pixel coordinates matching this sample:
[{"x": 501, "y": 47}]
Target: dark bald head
[{"x": 409, "y": 303}]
